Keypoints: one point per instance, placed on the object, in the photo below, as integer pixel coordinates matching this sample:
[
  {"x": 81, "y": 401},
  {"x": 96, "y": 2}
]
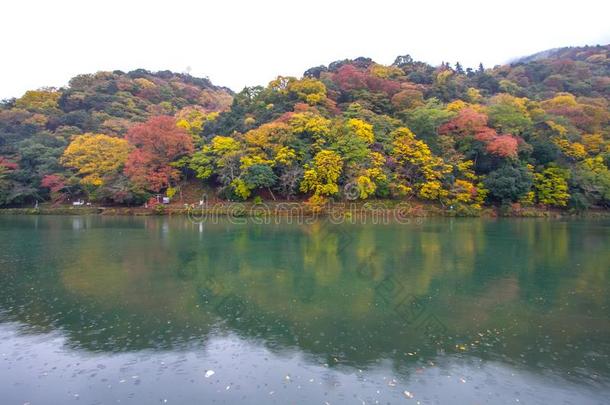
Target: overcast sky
[{"x": 238, "y": 43}]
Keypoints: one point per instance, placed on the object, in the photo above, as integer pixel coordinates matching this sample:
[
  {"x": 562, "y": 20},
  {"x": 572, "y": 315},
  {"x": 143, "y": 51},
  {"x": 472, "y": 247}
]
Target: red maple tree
[
  {"x": 503, "y": 146},
  {"x": 157, "y": 143}
]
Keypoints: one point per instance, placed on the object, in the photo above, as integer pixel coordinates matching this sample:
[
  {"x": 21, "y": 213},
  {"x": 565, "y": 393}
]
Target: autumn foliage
[
  {"x": 470, "y": 123},
  {"x": 157, "y": 143},
  {"x": 503, "y": 146},
  {"x": 533, "y": 132},
  {"x": 7, "y": 164},
  {"x": 95, "y": 156}
]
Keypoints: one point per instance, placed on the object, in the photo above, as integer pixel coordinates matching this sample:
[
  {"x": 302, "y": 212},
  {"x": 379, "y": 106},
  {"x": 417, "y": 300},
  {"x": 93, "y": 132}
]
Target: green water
[{"x": 98, "y": 310}]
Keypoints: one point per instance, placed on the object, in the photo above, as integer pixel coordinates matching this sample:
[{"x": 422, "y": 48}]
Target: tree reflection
[{"x": 527, "y": 292}]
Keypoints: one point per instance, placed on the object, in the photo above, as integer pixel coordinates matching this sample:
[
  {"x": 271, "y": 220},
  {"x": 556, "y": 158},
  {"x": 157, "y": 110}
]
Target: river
[{"x": 147, "y": 310}]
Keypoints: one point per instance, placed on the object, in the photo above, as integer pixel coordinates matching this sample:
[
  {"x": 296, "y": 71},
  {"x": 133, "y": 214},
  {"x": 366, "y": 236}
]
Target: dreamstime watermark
[
  {"x": 392, "y": 295},
  {"x": 232, "y": 308},
  {"x": 265, "y": 213},
  {"x": 410, "y": 310}
]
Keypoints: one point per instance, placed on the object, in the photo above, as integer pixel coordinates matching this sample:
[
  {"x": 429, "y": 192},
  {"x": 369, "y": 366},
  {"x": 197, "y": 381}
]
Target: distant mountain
[
  {"x": 570, "y": 52},
  {"x": 582, "y": 71}
]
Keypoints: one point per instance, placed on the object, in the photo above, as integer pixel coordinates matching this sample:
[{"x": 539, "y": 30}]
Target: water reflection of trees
[{"x": 528, "y": 292}]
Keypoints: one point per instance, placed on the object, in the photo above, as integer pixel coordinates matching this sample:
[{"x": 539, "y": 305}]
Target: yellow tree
[
  {"x": 266, "y": 139},
  {"x": 473, "y": 95},
  {"x": 467, "y": 188},
  {"x": 361, "y": 129},
  {"x": 371, "y": 177},
  {"x": 385, "y": 72},
  {"x": 95, "y": 156},
  {"x": 593, "y": 143},
  {"x": 573, "y": 150},
  {"x": 311, "y": 127},
  {"x": 224, "y": 144},
  {"x": 43, "y": 100},
  {"x": 321, "y": 176},
  {"x": 419, "y": 167},
  {"x": 310, "y": 90},
  {"x": 193, "y": 120},
  {"x": 551, "y": 186},
  {"x": 205, "y": 161}
]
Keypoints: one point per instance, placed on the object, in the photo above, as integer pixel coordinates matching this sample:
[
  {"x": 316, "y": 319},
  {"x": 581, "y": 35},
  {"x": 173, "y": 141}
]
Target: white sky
[{"x": 238, "y": 43}]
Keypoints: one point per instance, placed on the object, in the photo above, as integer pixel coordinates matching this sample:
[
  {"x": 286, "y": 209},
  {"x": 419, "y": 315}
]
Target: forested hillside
[{"x": 535, "y": 132}]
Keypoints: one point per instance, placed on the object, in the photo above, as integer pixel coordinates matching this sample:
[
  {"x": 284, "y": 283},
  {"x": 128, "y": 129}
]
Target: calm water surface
[{"x": 97, "y": 310}]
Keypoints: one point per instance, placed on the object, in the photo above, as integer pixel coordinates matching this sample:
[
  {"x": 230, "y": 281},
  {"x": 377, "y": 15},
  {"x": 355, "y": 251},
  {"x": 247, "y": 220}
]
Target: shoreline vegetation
[{"x": 378, "y": 211}]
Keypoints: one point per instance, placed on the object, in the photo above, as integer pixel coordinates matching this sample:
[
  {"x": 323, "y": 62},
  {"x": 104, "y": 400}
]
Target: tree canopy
[{"x": 535, "y": 131}]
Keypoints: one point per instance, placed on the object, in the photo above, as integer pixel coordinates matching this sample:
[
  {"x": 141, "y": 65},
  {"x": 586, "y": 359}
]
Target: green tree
[
  {"x": 426, "y": 120},
  {"x": 591, "y": 179},
  {"x": 508, "y": 183},
  {"x": 259, "y": 176}
]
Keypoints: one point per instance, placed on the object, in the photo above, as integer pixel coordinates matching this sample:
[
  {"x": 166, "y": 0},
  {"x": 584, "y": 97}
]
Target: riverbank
[{"x": 380, "y": 209}]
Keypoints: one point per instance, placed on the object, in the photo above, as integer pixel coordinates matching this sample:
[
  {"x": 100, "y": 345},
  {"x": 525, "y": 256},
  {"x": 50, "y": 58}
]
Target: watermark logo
[{"x": 350, "y": 211}]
